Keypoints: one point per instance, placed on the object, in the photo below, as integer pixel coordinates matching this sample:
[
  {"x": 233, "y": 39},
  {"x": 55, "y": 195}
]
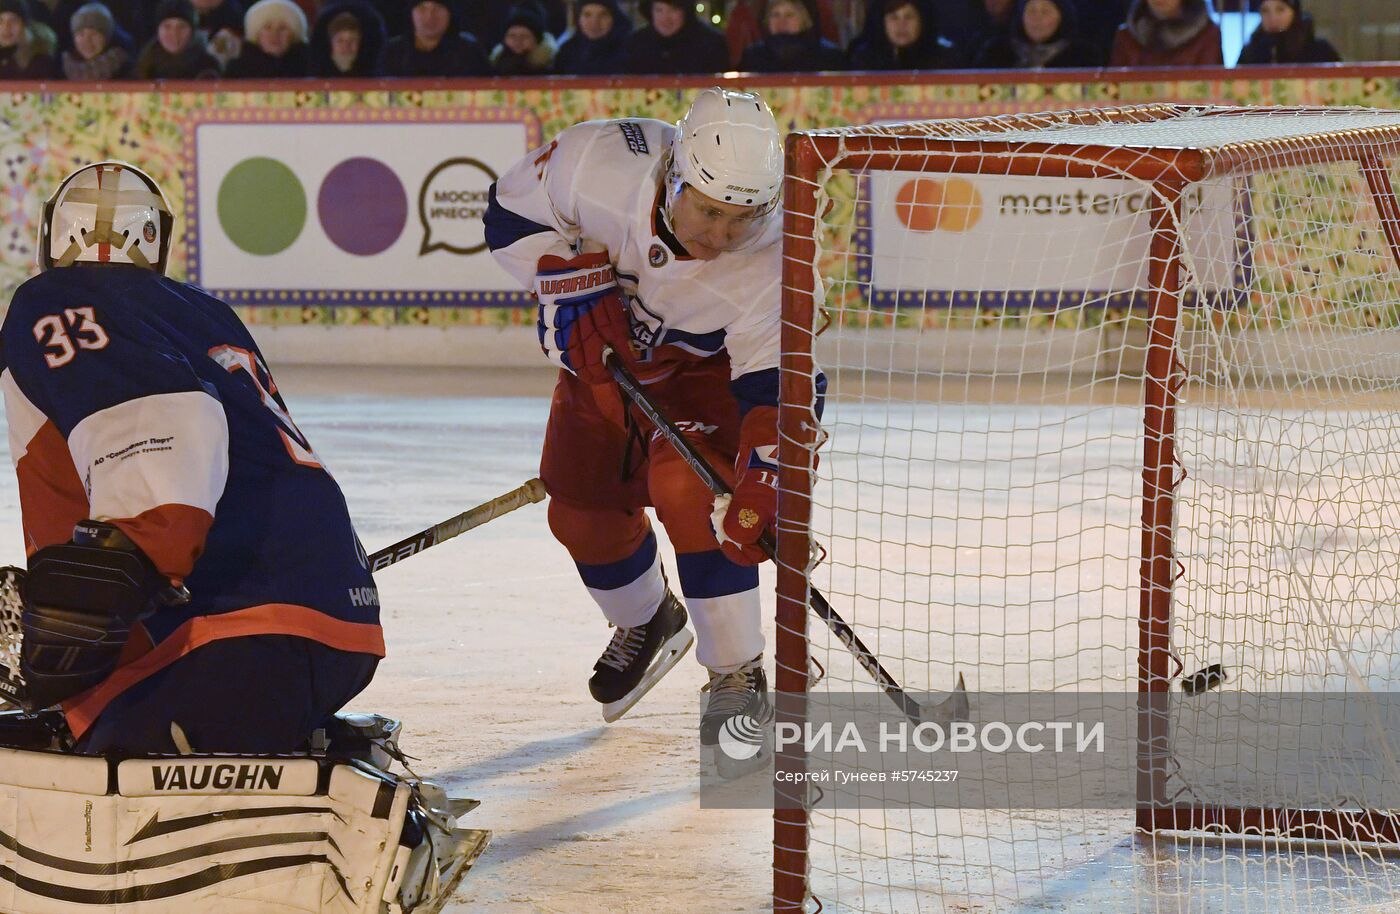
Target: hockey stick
[
  {"x": 839, "y": 627},
  {"x": 12, "y": 688},
  {"x": 527, "y": 494}
]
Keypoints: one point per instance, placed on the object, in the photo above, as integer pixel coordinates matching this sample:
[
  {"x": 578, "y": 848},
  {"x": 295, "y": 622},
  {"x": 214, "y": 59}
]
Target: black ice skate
[
  {"x": 737, "y": 718},
  {"x": 638, "y": 657}
]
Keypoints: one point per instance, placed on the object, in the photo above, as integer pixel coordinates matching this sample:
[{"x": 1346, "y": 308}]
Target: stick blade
[{"x": 955, "y": 707}]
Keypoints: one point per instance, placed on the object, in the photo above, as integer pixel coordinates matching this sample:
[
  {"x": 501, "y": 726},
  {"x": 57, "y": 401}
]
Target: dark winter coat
[
  {"x": 369, "y": 62},
  {"x": 745, "y": 25},
  {"x": 21, "y": 62},
  {"x": 1099, "y": 21},
  {"x": 1014, "y": 49},
  {"x": 873, "y": 51},
  {"x": 804, "y": 53},
  {"x": 581, "y": 56},
  {"x": 539, "y": 62},
  {"x": 696, "y": 48},
  {"x": 967, "y": 24},
  {"x": 1191, "y": 40},
  {"x": 1299, "y": 44},
  {"x": 457, "y": 54},
  {"x": 484, "y": 20},
  {"x": 254, "y": 63},
  {"x": 113, "y": 63},
  {"x": 195, "y": 62}
]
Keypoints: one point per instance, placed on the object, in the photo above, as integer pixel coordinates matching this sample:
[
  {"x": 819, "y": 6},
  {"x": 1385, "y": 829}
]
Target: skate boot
[
  {"x": 637, "y": 658},
  {"x": 736, "y": 721}
]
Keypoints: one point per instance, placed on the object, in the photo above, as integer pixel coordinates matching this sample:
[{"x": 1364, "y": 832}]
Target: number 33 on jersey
[{"x": 140, "y": 399}]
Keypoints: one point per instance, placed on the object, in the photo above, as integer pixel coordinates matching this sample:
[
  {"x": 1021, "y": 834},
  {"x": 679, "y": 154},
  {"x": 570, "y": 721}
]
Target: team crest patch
[
  {"x": 748, "y": 518},
  {"x": 148, "y": 232},
  {"x": 657, "y": 256},
  {"x": 636, "y": 140}
]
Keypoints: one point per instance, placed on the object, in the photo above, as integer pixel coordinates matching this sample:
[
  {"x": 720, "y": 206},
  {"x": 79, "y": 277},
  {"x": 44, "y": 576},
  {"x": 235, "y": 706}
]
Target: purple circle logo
[{"x": 362, "y": 206}]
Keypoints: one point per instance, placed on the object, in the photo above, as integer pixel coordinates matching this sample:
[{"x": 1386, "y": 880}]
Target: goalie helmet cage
[{"x": 1254, "y": 352}]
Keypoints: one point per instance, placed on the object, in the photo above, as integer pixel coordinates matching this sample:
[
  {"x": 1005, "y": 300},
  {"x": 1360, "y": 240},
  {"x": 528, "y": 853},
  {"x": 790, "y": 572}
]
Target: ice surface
[{"x": 491, "y": 639}]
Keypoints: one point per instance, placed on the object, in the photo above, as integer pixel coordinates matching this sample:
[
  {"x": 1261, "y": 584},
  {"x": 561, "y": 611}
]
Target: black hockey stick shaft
[
  {"x": 519, "y": 497},
  {"x": 839, "y": 627}
]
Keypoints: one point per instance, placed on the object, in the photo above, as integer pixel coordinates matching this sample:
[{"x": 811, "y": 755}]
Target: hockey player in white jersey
[{"x": 659, "y": 241}]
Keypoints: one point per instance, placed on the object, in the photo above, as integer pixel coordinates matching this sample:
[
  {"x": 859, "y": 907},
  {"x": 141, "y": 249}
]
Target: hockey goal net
[{"x": 1114, "y": 400}]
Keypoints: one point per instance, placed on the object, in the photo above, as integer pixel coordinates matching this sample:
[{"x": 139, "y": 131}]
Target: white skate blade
[
  {"x": 670, "y": 654},
  {"x": 731, "y": 769}
]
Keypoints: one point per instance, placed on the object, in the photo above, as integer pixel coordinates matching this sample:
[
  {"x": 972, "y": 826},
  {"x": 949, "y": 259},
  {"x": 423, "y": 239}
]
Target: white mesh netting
[{"x": 980, "y": 491}]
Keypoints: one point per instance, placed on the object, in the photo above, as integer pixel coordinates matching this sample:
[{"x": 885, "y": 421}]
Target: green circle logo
[{"x": 262, "y": 206}]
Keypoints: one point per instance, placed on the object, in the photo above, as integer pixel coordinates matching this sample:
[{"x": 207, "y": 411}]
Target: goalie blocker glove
[
  {"x": 582, "y": 314},
  {"x": 80, "y": 600},
  {"x": 739, "y": 520}
]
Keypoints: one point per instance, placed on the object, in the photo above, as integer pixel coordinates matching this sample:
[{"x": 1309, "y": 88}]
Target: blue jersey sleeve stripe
[{"x": 503, "y": 227}]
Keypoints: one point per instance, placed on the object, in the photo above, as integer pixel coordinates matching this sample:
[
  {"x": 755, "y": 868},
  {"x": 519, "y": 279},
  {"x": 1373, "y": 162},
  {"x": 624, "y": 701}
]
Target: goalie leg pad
[{"x": 233, "y": 834}]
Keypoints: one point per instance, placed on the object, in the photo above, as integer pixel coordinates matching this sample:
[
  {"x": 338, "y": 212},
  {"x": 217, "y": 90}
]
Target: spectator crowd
[{"x": 270, "y": 39}]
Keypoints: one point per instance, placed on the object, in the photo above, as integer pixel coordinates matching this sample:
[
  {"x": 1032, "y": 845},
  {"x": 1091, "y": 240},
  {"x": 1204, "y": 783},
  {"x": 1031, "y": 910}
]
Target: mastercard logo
[{"x": 939, "y": 204}]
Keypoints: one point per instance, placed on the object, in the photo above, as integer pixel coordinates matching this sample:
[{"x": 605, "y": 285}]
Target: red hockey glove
[
  {"x": 581, "y": 314},
  {"x": 754, "y": 504}
]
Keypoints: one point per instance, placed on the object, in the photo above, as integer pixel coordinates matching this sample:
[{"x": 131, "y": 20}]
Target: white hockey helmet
[
  {"x": 106, "y": 212},
  {"x": 728, "y": 148}
]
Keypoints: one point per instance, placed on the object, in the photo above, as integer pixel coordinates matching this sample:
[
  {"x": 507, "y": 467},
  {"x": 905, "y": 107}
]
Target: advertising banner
[
  {"x": 1042, "y": 241},
  {"x": 304, "y": 202},
  {"x": 341, "y": 209}
]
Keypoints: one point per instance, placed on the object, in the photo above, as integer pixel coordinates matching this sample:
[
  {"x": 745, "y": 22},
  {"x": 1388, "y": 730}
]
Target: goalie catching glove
[
  {"x": 740, "y": 519},
  {"x": 582, "y": 314},
  {"x": 80, "y": 600}
]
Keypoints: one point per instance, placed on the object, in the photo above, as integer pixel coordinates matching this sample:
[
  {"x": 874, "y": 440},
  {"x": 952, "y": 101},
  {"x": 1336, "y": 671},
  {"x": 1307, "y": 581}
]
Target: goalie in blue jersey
[{"x": 194, "y": 578}]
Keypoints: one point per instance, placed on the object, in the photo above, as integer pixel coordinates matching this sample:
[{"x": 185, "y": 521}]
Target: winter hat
[
  {"x": 681, "y": 5},
  {"x": 529, "y": 16},
  {"x": 266, "y": 11},
  {"x": 343, "y": 22},
  {"x": 93, "y": 16},
  {"x": 18, "y": 7},
  {"x": 176, "y": 9}
]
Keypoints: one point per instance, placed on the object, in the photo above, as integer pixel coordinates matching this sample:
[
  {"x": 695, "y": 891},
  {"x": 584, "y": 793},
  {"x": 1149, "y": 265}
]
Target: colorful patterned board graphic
[{"x": 44, "y": 134}]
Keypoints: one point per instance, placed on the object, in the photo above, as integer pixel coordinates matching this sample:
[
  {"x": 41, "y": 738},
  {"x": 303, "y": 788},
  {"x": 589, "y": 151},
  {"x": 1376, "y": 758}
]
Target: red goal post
[{"x": 1167, "y": 148}]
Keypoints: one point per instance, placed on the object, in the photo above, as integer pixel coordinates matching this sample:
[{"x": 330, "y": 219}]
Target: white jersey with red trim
[
  {"x": 598, "y": 186},
  {"x": 143, "y": 401}
]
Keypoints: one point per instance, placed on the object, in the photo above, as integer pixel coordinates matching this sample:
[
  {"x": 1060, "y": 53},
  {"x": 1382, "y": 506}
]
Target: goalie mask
[
  {"x": 728, "y": 148},
  {"x": 107, "y": 212}
]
